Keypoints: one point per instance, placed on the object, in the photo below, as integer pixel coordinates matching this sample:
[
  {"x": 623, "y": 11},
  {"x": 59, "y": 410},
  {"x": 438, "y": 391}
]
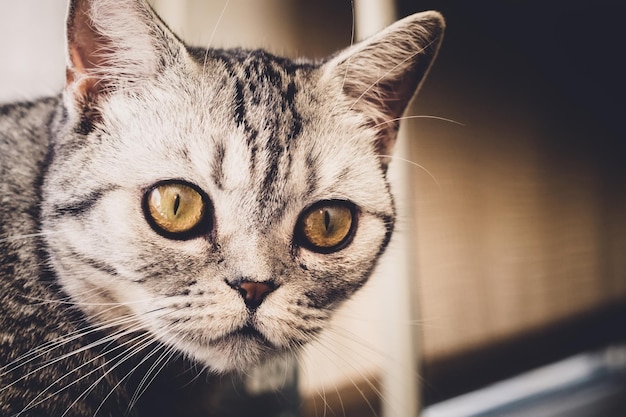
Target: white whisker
[
  {"x": 322, "y": 349},
  {"x": 125, "y": 354},
  {"x": 77, "y": 303},
  {"x": 157, "y": 366},
  {"x": 129, "y": 355},
  {"x": 33, "y": 403},
  {"x": 398, "y": 119},
  {"x": 68, "y": 355},
  {"x": 217, "y": 24},
  {"x": 61, "y": 341},
  {"x": 423, "y": 168},
  {"x": 28, "y": 236}
]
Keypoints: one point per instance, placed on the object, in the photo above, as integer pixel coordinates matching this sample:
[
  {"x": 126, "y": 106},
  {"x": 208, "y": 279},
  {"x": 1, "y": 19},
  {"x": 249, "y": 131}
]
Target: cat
[{"x": 181, "y": 202}]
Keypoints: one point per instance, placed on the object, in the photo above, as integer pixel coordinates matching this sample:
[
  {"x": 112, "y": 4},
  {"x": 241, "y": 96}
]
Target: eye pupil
[
  {"x": 326, "y": 220},
  {"x": 176, "y": 204}
]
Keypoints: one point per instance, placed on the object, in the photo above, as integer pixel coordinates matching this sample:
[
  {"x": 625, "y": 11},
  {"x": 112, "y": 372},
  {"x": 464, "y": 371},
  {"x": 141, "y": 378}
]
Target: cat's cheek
[{"x": 105, "y": 298}]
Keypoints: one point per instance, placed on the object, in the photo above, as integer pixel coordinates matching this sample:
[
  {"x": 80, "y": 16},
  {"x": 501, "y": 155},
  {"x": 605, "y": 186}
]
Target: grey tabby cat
[{"x": 215, "y": 205}]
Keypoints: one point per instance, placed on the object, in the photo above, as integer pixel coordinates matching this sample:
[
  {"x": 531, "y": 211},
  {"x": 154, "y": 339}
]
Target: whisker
[
  {"x": 63, "y": 357},
  {"x": 321, "y": 391},
  {"x": 139, "y": 390},
  {"x": 59, "y": 342},
  {"x": 77, "y": 303},
  {"x": 423, "y": 168},
  {"x": 217, "y": 24},
  {"x": 324, "y": 349},
  {"x": 130, "y": 372},
  {"x": 421, "y": 116},
  {"x": 380, "y": 358},
  {"x": 28, "y": 236},
  {"x": 33, "y": 403},
  {"x": 159, "y": 364},
  {"x": 353, "y": 29},
  {"x": 147, "y": 341},
  {"x": 144, "y": 381},
  {"x": 219, "y": 21},
  {"x": 352, "y": 37}
]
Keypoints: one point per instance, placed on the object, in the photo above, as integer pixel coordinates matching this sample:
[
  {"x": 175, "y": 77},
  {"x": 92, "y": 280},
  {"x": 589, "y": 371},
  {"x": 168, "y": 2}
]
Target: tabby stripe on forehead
[
  {"x": 218, "y": 165},
  {"x": 240, "y": 111},
  {"x": 239, "y": 100},
  {"x": 312, "y": 176},
  {"x": 275, "y": 152},
  {"x": 240, "y": 114},
  {"x": 280, "y": 158},
  {"x": 81, "y": 206}
]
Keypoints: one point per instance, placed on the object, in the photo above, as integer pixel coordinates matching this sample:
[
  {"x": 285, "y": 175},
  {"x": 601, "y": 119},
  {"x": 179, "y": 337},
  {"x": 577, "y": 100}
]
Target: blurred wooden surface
[{"x": 528, "y": 227}]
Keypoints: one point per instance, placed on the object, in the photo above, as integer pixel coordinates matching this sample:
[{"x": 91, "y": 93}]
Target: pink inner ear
[
  {"x": 382, "y": 73},
  {"x": 73, "y": 74},
  {"x": 85, "y": 47}
]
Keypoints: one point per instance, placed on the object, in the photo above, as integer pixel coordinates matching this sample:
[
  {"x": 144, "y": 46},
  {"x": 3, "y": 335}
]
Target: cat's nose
[{"x": 252, "y": 292}]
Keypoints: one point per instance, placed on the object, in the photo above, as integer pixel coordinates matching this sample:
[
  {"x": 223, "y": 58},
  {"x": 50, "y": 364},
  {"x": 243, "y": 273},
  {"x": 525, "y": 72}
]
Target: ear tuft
[{"x": 381, "y": 74}]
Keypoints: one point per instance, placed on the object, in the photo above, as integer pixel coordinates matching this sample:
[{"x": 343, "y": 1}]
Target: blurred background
[{"x": 511, "y": 251}]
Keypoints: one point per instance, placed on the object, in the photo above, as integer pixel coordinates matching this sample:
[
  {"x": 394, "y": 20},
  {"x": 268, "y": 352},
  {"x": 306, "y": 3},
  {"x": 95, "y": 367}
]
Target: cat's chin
[{"x": 236, "y": 351}]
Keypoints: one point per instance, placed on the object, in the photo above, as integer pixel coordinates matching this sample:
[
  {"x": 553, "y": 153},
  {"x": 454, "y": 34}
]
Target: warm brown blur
[{"x": 528, "y": 229}]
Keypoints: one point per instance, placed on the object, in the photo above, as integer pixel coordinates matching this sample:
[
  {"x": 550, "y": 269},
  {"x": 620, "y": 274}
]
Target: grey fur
[
  {"x": 262, "y": 137},
  {"x": 30, "y": 311}
]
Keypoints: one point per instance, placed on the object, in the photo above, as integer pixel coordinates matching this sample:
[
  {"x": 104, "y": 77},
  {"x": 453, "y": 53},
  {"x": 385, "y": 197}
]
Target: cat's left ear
[
  {"x": 113, "y": 44},
  {"x": 380, "y": 75}
]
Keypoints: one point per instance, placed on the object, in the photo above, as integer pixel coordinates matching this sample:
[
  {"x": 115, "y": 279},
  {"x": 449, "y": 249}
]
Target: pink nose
[{"x": 254, "y": 293}]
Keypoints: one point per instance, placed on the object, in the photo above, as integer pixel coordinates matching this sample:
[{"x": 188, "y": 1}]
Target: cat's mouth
[
  {"x": 246, "y": 334},
  {"x": 237, "y": 350},
  {"x": 251, "y": 332}
]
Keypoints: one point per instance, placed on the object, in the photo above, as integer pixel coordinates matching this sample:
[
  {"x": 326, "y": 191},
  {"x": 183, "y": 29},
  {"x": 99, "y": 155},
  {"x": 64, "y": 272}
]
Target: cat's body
[{"x": 177, "y": 202}]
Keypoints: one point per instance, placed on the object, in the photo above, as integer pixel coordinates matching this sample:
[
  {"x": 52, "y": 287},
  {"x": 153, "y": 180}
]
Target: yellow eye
[
  {"x": 326, "y": 226},
  {"x": 175, "y": 208}
]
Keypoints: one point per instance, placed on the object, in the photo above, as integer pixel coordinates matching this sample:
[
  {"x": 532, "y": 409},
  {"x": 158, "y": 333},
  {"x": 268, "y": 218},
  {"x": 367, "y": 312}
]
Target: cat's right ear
[{"x": 113, "y": 44}]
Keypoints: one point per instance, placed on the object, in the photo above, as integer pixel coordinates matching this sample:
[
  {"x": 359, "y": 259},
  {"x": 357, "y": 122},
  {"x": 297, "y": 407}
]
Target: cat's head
[{"x": 223, "y": 202}]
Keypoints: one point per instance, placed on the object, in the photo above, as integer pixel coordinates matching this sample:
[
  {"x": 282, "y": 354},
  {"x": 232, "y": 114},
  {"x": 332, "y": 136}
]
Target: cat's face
[{"x": 224, "y": 202}]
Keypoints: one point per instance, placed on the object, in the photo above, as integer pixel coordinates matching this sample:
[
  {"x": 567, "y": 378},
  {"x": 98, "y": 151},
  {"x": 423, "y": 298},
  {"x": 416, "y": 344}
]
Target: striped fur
[{"x": 262, "y": 137}]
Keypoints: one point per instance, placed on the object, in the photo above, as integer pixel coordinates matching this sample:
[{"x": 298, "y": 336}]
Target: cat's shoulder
[
  {"x": 24, "y": 135},
  {"x": 24, "y": 138},
  {"x": 25, "y": 122},
  {"x": 27, "y": 111}
]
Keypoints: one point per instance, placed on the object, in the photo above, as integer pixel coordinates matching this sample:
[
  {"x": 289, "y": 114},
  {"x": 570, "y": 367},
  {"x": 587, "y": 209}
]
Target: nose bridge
[{"x": 249, "y": 258}]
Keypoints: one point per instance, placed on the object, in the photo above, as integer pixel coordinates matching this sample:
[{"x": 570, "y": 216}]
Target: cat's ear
[
  {"x": 112, "y": 44},
  {"x": 380, "y": 75}
]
